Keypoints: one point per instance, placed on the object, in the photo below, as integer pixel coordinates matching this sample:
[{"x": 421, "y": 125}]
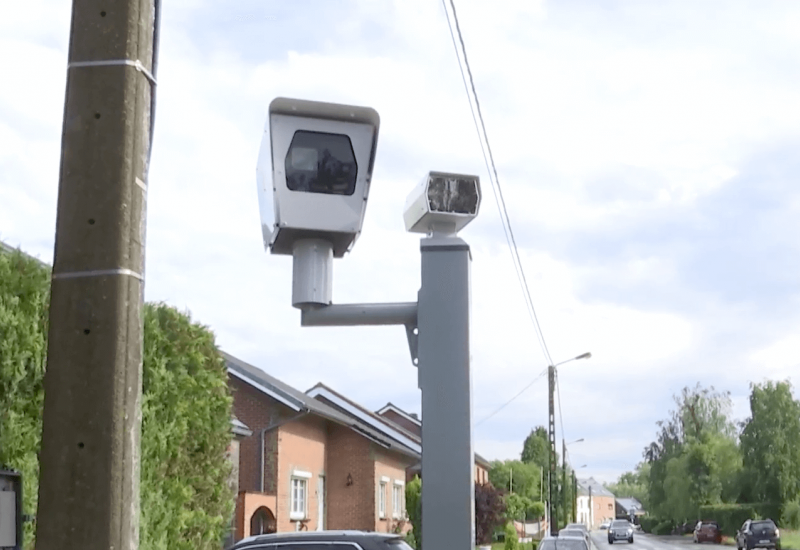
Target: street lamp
[
  {"x": 551, "y": 432},
  {"x": 314, "y": 174}
]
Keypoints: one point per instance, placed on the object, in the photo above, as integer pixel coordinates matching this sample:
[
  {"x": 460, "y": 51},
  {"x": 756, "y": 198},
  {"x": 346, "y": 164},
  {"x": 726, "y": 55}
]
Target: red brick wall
[
  {"x": 353, "y": 507},
  {"x": 403, "y": 422},
  {"x": 257, "y": 411},
  {"x": 393, "y": 467},
  {"x": 301, "y": 447}
]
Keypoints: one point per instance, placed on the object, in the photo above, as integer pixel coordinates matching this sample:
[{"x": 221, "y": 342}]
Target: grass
[{"x": 790, "y": 540}]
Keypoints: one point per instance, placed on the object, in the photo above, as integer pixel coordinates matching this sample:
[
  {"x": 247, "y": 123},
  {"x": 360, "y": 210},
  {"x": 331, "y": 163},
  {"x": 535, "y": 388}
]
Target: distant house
[
  {"x": 596, "y": 504},
  {"x": 629, "y": 508},
  {"x": 412, "y": 423}
]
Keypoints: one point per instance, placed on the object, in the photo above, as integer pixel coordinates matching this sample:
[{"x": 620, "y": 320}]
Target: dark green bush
[
  {"x": 730, "y": 517},
  {"x": 649, "y": 523},
  {"x": 186, "y": 502}
]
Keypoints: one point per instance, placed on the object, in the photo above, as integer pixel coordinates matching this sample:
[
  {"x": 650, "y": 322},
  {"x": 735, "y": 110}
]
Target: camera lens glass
[{"x": 318, "y": 162}]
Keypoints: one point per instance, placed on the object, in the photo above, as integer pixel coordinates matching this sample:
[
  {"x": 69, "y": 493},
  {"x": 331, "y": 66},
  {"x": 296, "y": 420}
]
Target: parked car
[
  {"x": 620, "y": 529},
  {"x": 758, "y": 533},
  {"x": 325, "y": 540},
  {"x": 579, "y": 526},
  {"x": 707, "y": 531},
  {"x": 564, "y": 543},
  {"x": 605, "y": 525},
  {"x": 566, "y": 532}
]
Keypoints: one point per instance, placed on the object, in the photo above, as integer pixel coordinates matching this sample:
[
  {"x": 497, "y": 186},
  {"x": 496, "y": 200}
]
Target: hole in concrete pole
[
  {"x": 91, "y": 221},
  {"x": 97, "y": 115},
  {"x": 80, "y": 445},
  {"x": 86, "y": 331},
  {"x": 102, "y": 14}
]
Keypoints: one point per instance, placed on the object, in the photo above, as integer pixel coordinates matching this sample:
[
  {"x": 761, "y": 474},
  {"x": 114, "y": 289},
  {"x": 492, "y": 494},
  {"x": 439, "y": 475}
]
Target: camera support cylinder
[{"x": 312, "y": 280}]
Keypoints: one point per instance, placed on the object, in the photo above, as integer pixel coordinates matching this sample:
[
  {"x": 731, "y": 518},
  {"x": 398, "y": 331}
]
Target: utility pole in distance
[
  {"x": 89, "y": 484},
  {"x": 551, "y": 435}
]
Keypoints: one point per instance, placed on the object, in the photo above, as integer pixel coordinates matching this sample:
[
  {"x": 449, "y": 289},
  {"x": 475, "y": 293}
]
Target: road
[{"x": 652, "y": 542}]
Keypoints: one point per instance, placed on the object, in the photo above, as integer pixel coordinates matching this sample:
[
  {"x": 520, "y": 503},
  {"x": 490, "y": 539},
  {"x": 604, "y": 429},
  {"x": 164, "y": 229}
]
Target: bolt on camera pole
[
  {"x": 89, "y": 484},
  {"x": 551, "y": 433}
]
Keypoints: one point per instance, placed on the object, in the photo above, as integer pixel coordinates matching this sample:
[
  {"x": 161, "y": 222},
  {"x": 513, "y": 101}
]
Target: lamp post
[
  {"x": 551, "y": 433},
  {"x": 564, "y": 445}
]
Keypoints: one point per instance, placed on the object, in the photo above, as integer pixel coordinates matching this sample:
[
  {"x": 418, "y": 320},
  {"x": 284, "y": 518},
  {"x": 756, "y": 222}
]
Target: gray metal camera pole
[
  {"x": 442, "y": 351},
  {"x": 445, "y": 378}
]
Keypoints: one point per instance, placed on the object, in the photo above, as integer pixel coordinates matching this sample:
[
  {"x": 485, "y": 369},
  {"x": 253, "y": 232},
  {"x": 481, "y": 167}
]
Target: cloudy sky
[{"x": 648, "y": 153}]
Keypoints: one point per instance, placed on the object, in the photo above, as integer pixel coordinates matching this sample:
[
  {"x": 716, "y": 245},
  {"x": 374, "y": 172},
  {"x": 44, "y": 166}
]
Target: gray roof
[
  {"x": 300, "y": 402},
  {"x": 597, "y": 488},
  {"x": 629, "y": 504}
]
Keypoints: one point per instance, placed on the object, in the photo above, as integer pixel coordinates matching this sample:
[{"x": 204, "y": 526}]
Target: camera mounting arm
[{"x": 348, "y": 315}]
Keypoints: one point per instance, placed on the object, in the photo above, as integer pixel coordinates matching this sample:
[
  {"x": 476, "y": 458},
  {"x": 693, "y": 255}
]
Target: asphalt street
[{"x": 652, "y": 542}]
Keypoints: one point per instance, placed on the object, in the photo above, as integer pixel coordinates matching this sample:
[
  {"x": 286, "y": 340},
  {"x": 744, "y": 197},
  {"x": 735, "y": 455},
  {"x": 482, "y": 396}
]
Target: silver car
[
  {"x": 620, "y": 529},
  {"x": 564, "y": 543}
]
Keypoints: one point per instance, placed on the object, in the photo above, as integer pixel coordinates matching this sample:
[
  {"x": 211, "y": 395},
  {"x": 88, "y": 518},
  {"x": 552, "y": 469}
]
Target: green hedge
[
  {"x": 186, "y": 502},
  {"x": 730, "y": 517}
]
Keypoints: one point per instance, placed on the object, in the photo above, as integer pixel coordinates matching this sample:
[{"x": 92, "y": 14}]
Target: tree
[
  {"x": 770, "y": 443},
  {"x": 414, "y": 508},
  {"x": 186, "y": 410},
  {"x": 517, "y": 477},
  {"x": 24, "y": 299},
  {"x": 633, "y": 484},
  {"x": 186, "y": 499},
  {"x": 536, "y": 448},
  {"x": 490, "y": 509}
]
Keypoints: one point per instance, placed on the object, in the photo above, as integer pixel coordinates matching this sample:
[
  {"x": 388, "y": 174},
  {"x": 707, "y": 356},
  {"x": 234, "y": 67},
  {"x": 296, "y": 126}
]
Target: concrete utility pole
[
  {"x": 551, "y": 434},
  {"x": 574, "y": 497},
  {"x": 89, "y": 484},
  {"x": 564, "y": 478}
]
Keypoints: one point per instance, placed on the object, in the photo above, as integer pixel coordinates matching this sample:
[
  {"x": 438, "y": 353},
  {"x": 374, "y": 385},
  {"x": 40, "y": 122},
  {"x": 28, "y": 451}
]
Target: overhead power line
[
  {"x": 488, "y": 157},
  {"x": 504, "y": 405}
]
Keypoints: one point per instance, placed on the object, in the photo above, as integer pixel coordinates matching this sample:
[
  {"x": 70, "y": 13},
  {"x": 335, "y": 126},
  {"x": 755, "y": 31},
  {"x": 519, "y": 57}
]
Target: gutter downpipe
[{"x": 263, "y": 434}]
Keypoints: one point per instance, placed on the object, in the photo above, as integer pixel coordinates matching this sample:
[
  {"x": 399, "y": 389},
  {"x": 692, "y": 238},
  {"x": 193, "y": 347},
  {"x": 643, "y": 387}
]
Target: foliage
[
  {"x": 633, "y": 484},
  {"x": 770, "y": 443},
  {"x": 411, "y": 540},
  {"x": 490, "y": 509},
  {"x": 790, "y": 516},
  {"x": 24, "y": 299},
  {"x": 414, "y": 510},
  {"x": 511, "y": 540},
  {"x": 695, "y": 460},
  {"x": 186, "y": 501},
  {"x": 536, "y": 510},
  {"x": 535, "y": 449},
  {"x": 517, "y": 477}
]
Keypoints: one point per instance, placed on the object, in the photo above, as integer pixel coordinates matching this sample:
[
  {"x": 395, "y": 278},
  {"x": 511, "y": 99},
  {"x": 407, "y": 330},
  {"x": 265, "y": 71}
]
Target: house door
[{"x": 321, "y": 503}]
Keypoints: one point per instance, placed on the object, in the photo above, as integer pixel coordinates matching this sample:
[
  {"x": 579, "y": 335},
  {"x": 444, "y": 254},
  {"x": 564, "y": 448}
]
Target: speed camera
[
  {"x": 314, "y": 172},
  {"x": 442, "y": 202}
]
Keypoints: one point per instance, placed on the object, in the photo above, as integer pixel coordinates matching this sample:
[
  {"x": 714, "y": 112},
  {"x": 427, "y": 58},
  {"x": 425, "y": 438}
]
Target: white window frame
[
  {"x": 384, "y": 481},
  {"x": 301, "y": 478},
  {"x": 398, "y": 506}
]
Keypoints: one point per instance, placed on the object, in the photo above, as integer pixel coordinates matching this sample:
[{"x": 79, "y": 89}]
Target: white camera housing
[
  {"x": 443, "y": 202},
  {"x": 314, "y": 172}
]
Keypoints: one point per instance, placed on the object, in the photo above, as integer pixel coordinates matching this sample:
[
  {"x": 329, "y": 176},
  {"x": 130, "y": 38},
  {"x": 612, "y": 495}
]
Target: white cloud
[{"x": 600, "y": 119}]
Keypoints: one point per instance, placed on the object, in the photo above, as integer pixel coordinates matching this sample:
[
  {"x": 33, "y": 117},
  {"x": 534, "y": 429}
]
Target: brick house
[
  {"x": 308, "y": 466},
  {"x": 412, "y": 424},
  {"x": 596, "y": 504}
]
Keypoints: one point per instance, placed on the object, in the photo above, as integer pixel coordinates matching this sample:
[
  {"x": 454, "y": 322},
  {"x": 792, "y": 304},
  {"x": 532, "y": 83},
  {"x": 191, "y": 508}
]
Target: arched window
[{"x": 262, "y": 522}]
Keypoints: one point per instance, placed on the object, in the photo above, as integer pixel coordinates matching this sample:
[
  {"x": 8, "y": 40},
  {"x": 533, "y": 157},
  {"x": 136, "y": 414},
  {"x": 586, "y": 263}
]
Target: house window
[
  {"x": 382, "y": 500},
  {"x": 299, "y": 495},
  {"x": 398, "y": 506},
  {"x": 609, "y": 506}
]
